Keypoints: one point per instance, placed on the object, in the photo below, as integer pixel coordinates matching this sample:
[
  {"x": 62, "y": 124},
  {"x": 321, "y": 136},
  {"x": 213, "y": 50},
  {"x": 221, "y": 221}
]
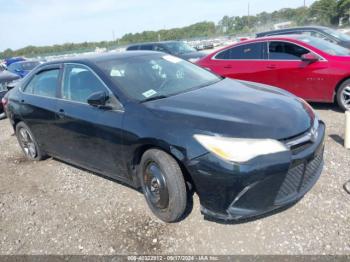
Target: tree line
[{"x": 322, "y": 12}]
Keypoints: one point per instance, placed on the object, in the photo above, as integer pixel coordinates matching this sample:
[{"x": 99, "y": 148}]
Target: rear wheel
[
  {"x": 28, "y": 143},
  {"x": 343, "y": 95},
  {"x": 163, "y": 185}
]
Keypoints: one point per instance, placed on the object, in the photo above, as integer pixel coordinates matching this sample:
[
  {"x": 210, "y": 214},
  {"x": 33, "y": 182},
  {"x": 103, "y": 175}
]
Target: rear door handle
[
  {"x": 61, "y": 113},
  {"x": 271, "y": 66},
  {"x": 228, "y": 67}
]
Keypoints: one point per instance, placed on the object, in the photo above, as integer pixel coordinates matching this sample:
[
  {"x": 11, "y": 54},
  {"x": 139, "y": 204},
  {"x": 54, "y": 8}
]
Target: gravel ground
[{"x": 50, "y": 207}]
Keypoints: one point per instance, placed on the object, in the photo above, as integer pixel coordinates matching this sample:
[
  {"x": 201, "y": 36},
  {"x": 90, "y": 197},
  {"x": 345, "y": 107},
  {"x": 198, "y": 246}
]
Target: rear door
[
  {"x": 245, "y": 62},
  {"x": 38, "y": 104},
  {"x": 88, "y": 135},
  {"x": 305, "y": 80}
]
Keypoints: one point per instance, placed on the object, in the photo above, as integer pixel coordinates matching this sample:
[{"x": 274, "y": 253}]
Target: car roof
[
  {"x": 153, "y": 43},
  {"x": 94, "y": 58},
  {"x": 293, "y": 29},
  {"x": 273, "y": 37},
  {"x": 25, "y": 62}
]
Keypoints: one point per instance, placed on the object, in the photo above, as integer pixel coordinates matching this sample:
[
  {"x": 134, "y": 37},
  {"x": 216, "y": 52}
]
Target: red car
[{"x": 309, "y": 67}]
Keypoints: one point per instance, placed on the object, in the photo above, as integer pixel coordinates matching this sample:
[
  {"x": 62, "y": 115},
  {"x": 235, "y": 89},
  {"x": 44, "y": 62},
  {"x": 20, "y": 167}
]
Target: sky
[{"x": 48, "y": 22}]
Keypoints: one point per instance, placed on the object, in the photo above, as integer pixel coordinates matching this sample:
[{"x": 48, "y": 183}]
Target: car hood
[
  {"x": 192, "y": 55},
  {"x": 237, "y": 109}
]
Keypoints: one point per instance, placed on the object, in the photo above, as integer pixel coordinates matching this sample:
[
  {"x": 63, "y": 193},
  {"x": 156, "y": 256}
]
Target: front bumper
[{"x": 229, "y": 191}]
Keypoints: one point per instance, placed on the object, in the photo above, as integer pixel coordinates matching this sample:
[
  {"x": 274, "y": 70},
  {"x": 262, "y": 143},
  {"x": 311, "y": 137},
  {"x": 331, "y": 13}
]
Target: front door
[
  {"x": 308, "y": 81},
  {"x": 89, "y": 136}
]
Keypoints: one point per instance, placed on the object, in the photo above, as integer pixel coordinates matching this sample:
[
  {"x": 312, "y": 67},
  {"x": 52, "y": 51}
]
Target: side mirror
[
  {"x": 309, "y": 58},
  {"x": 98, "y": 99},
  {"x": 11, "y": 85}
]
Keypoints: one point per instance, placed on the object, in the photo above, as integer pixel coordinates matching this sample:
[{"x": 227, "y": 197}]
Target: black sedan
[
  {"x": 176, "y": 48},
  {"x": 158, "y": 122},
  {"x": 322, "y": 32}
]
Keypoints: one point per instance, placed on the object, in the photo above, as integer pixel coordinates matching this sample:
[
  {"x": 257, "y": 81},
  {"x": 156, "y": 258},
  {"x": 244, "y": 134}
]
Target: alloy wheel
[
  {"x": 345, "y": 97},
  {"x": 27, "y": 143}
]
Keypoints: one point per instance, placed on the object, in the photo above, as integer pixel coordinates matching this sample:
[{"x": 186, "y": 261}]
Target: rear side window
[
  {"x": 286, "y": 51},
  {"x": 44, "y": 83},
  {"x": 243, "y": 52}
]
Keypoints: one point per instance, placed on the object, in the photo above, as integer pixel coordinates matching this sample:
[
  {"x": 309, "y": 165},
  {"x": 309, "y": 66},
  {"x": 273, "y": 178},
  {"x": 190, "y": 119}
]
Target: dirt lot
[{"x": 52, "y": 208}]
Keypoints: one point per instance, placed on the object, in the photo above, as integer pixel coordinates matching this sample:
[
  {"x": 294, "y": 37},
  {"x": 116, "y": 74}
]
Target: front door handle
[
  {"x": 228, "y": 67},
  {"x": 271, "y": 66}
]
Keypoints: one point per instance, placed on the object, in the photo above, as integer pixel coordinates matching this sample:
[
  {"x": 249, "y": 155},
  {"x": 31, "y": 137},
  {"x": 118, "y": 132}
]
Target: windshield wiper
[{"x": 154, "y": 98}]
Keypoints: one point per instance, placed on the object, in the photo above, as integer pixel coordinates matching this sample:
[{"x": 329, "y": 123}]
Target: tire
[
  {"x": 163, "y": 185},
  {"x": 28, "y": 143},
  {"x": 343, "y": 95},
  {"x": 2, "y": 116}
]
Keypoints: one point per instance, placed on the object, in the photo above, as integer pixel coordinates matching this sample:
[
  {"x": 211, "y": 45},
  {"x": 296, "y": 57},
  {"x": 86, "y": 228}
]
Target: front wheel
[
  {"x": 343, "y": 95},
  {"x": 163, "y": 185},
  {"x": 28, "y": 143}
]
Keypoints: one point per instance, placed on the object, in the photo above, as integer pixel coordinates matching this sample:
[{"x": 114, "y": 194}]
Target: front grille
[
  {"x": 311, "y": 172},
  {"x": 299, "y": 179}
]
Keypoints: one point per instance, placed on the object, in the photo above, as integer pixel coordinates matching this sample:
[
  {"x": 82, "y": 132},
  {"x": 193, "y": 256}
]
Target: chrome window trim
[
  {"x": 214, "y": 57},
  {"x": 73, "y": 101},
  {"x": 267, "y": 42},
  {"x": 322, "y": 59}
]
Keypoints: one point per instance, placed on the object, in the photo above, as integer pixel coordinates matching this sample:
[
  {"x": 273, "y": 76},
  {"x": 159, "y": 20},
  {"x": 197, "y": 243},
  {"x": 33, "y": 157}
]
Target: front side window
[
  {"x": 44, "y": 83},
  {"x": 285, "y": 51},
  {"x": 80, "y": 83},
  {"x": 154, "y": 76},
  {"x": 243, "y": 52}
]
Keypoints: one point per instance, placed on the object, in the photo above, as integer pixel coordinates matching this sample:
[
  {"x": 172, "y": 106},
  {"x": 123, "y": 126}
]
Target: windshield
[
  {"x": 179, "y": 48},
  {"x": 337, "y": 34},
  {"x": 29, "y": 65},
  {"x": 325, "y": 46},
  {"x": 149, "y": 77}
]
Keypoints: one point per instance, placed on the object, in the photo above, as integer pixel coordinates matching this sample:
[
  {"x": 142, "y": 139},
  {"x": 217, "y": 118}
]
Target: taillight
[{"x": 4, "y": 101}]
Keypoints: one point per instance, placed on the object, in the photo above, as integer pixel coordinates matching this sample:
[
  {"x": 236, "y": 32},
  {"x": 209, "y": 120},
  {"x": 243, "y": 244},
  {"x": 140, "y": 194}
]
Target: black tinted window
[
  {"x": 80, "y": 83},
  {"x": 134, "y": 47},
  {"x": 44, "y": 84},
  {"x": 285, "y": 51},
  {"x": 146, "y": 47},
  {"x": 248, "y": 51}
]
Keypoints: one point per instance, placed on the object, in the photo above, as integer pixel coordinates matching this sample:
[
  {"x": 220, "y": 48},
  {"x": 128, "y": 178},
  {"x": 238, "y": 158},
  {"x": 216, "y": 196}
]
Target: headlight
[{"x": 238, "y": 149}]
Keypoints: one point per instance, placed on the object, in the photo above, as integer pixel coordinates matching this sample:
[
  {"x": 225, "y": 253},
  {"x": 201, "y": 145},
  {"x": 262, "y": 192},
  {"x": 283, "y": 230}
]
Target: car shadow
[
  {"x": 326, "y": 106},
  {"x": 251, "y": 219},
  {"x": 190, "y": 192},
  {"x": 338, "y": 139}
]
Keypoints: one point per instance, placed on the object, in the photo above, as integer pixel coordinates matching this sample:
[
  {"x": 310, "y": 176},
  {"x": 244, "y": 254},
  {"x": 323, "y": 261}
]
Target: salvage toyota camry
[{"x": 165, "y": 125}]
